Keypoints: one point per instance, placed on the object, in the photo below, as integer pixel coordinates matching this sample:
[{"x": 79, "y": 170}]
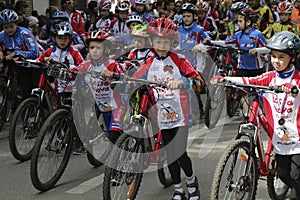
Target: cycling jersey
[
  {"x": 265, "y": 18},
  {"x": 209, "y": 26},
  {"x": 77, "y": 23},
  {"x": 280, "y": 26},
  {"x": 103, "y": 24},
  {"x": 119, "y": 28},
  {"x": 188, "y": 38},
  {"x": 145, "y": 16},
  {"x": 295, "y": 16},
  {"x": 246, "y": 40},
  {"x": 279, "y": 106},
  {"x": 69, "y": 56},
  {"x": 22, "y": 43},
  {"x": 173, "y": 108}
]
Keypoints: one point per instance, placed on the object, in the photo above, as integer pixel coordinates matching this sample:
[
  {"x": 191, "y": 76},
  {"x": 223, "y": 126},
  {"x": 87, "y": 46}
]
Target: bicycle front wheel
[
  {"x": 236, "y": 175},
  {"x": 52, "y": 151},
  {"x": 3, "y": 104},
  {"x": 24, "y": 128},
  {"x": 122, "y": 179}
]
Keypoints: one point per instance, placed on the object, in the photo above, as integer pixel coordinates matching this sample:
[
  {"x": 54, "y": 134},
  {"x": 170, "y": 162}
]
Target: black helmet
[
  {"x": 250, "y": 14},
  {"x": 286, "y": 42},
  {"x": 188, "y": 7}
]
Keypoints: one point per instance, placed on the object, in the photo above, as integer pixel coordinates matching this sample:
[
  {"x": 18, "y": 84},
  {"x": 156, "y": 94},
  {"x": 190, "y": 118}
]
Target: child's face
[
  {"x": 10, "y": 28},
  {"x": 123, "y": 15},
  {"x": 96, "y": 49},
  {"x": 139, "y": 42},
  {"x": 140, "y": 7},
  {"x": 280, "y": 60},
  {"x": 201, "y": 15},
  {"x": 62, "y": 41},
  {"x": 133, "y": 24},
  {"x": 235, "y": 15},
  {"x": 241, "y": 22},
  {"x": 187, "y": 18},
  {"x": 161, "y": 45},
  {"x": 103, "y": 13},
  {"x": 284, "y": 17}
]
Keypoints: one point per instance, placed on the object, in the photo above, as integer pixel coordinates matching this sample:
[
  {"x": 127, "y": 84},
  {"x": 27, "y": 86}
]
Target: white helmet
[
  {"x": 134, "y": 18},
  {"x": 144, "y": 2}
]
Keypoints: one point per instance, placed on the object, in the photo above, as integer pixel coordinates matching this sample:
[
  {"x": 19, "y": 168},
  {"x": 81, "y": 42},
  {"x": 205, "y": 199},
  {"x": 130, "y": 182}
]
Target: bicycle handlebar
[
  {"x": 126, "y": 79},
  {"x": 228, "y": 48},
  {"x": 276, "y": 88}
]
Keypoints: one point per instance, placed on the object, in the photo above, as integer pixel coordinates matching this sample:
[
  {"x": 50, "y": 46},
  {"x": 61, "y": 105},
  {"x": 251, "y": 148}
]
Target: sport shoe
[
  {"x": 196, "y": 186},
  {"x": 79, "y": 150},
  {"x": 182, "y": 195}
]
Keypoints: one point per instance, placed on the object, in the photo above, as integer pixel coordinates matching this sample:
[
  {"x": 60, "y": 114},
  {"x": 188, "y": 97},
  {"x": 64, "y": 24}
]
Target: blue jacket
[
  {"x": 189, "y": 37},
  {"x": 246, "y": 41},
  {"x": 22, "y": 43}
]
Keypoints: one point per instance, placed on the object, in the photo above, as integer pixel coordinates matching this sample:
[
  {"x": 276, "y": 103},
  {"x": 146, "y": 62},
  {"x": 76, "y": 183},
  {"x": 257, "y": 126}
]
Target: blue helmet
[
  {"x": 62, "y": 28},
  {"x": 60, "y": 15},
  {"x": 8, "y": 16}
]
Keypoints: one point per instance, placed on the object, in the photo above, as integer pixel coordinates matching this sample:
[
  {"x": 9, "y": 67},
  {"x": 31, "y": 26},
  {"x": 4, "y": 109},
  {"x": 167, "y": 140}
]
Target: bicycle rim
[
  {"x": 25, "y": 126},
  {"x": 236, "y": 176},
  {"x": 122, "y": 181},
  {"x": 52, "y": 151}
]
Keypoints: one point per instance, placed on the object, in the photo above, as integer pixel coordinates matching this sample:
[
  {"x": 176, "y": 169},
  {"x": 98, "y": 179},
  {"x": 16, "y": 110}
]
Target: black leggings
[
  {"x": 176, "y": 152},
  {"x": 288, "y": 169}
]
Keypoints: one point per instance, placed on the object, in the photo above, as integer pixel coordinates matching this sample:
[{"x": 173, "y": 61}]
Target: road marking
[{"x": 87, "y": 185}]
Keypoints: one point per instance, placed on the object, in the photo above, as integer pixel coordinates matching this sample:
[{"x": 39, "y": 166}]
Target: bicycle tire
[
  {"x": 56, "y": 131},
  {"x": 129, "y": 178},
  {"x": 238, "y": 185},
  {"x": 214, "y": 105},
  {"x": 92, "y": 160},
  {"x": 276, "y": 188},
  {"x": 3, "y": 105},
  {"x": 23, "y": 130},
  {"x": 163, "y": 176}
]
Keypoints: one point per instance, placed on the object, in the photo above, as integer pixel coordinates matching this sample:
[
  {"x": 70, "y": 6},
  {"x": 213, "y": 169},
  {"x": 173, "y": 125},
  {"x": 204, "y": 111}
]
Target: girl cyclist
[{"x": 282, "y": 110}]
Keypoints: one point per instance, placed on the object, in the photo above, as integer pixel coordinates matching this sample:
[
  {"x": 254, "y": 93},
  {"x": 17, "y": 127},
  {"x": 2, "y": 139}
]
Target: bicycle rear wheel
[
  {"x": 24, "y": 128},
  {"x": 214, "y": 105},
  {"x": 52, "y": 151},
  {"x": 122, "y": 179},
  {"x": 236, "y": 175},
  {"x": 276, "y": 188}
]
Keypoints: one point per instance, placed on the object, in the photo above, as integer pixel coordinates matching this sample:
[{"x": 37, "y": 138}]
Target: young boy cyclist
[
  {"x": 282, "y": 109},
  {"x": 284, "y": 9},
  {"x": 247, "y": 38},
  {"x": 168, "y": 65},
  {"x": 97, "y": 60}
]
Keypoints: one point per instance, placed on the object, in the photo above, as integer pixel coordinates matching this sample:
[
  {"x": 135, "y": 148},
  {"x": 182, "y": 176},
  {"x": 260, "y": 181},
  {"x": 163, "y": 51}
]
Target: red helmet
[
  {"x": 163, "y": 27},
  {"x": 96, "y": 35}
]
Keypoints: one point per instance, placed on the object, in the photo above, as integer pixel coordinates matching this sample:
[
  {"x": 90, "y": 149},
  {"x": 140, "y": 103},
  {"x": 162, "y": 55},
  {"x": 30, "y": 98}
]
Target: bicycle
[
  {"x": 245, "y": 159},
  {"x": 32, "y": 112},
  {"x": 136, "y": 149},
  {"x": 224, "y": 65},
  {"x": 53, "y": 147}
]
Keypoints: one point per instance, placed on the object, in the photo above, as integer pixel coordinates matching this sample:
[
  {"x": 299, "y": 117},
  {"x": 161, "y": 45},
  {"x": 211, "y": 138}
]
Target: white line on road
[{"x": 87, "y": 185}]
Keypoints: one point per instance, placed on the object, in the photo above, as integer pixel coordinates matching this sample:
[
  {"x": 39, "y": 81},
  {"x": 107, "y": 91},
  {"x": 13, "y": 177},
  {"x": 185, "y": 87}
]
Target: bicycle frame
[{"x": 256, "y": 119}]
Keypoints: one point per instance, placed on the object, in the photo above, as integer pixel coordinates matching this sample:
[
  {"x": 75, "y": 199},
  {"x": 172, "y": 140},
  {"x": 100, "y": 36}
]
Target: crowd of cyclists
[{"x": 167, "y": 37}]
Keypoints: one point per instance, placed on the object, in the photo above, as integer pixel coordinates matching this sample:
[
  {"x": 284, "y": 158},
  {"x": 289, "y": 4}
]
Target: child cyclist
[
  {"x": 63, "y": 52},
  {"x": 97, "y": 60},
  {"x": 282, "y": 109},
  {"x": 168, "y": 65}
]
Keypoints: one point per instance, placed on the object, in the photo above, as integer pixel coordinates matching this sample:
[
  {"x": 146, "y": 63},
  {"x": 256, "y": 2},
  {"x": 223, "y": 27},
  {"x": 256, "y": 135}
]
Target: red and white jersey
[
  {"x": 285, "y": 137},
  {"x": 70, "y": 56},
  {"x": 119, "y": 28},
  {"x": 77, "y": 23},
  {"x": 103, "y": 24},
  {"x": 172, "y": 107}
]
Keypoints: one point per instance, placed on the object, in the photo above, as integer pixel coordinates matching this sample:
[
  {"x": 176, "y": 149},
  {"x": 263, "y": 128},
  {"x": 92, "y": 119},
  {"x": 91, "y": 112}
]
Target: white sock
[
  {"x": 179, "y": 188},
  {"x": 190, "y": 180}
]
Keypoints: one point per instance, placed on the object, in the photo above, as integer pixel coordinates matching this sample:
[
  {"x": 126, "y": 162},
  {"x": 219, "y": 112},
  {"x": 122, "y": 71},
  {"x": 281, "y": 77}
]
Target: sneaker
[
  {"x": 197, "y": 192},
  {"x": 182, "y": 195},
  {"x": 79, "y": 150}
]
